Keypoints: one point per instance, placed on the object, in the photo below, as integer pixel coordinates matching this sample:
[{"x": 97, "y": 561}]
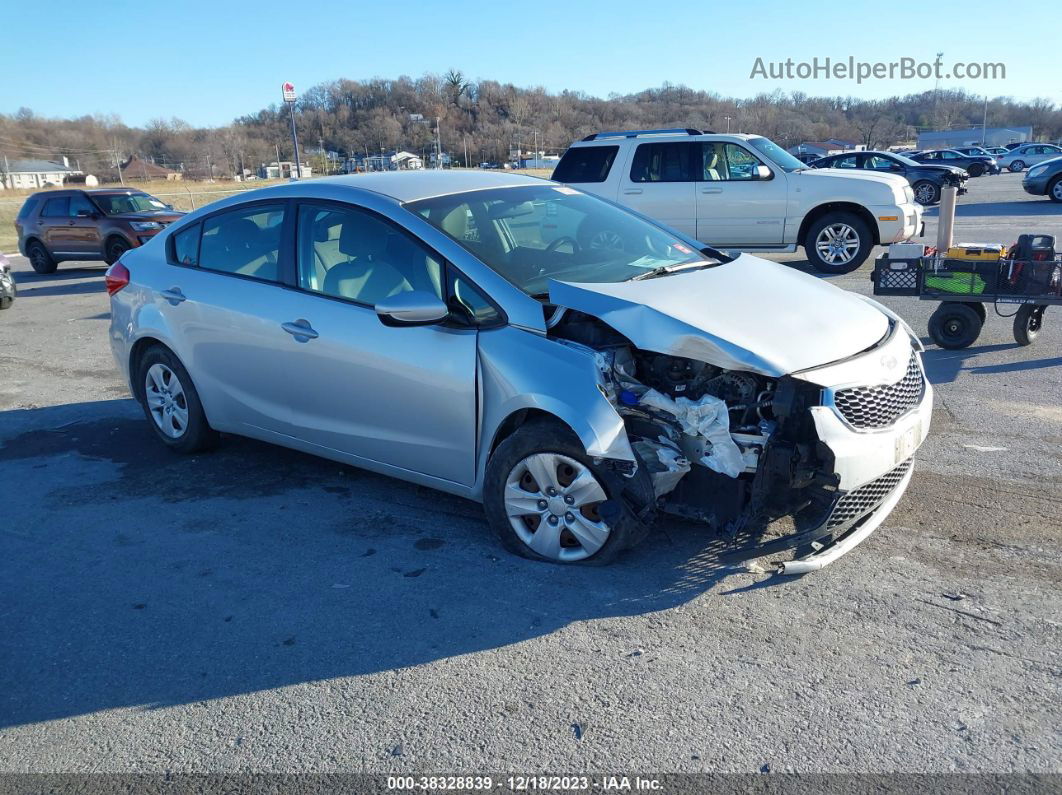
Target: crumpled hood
[{"x": 749, "y": 314}]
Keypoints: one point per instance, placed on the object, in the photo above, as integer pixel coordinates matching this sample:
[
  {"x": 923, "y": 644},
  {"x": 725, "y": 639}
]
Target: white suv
[{"x": 744, "y": 192}]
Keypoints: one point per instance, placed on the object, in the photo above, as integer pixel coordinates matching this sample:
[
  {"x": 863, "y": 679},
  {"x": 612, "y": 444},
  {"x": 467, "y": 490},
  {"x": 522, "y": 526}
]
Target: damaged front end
[{"x": 734, "y": 448}]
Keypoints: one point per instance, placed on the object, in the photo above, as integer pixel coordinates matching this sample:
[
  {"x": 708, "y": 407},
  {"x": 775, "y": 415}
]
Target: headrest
[{"x": 361, "y": 236}]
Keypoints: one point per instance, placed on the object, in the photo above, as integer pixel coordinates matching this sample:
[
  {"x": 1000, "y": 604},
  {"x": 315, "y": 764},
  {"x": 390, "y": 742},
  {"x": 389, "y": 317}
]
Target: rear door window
[
  {"x": 244, "y": 242},
  {"x": 186, "y": 245},
  {"x": 56, "y": 208},
  {"x": 585, "y": 164},
  {"x": 662, "y": 163}
]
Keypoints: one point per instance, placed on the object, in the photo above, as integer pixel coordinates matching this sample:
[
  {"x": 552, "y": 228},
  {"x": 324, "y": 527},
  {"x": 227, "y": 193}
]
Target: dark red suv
[{"x": 58, "y": 225}]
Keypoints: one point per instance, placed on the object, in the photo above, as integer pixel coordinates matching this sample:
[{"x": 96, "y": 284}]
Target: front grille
[
  {"x": 868, "y": 407},
  {"x": 865, "y": 499}
]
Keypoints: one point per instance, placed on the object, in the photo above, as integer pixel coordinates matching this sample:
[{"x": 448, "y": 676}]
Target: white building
[{"x": 32, "y": 174}]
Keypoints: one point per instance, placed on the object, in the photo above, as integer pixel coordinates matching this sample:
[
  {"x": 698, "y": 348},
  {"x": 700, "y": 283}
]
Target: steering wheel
[{"x": 560, "y": 241}]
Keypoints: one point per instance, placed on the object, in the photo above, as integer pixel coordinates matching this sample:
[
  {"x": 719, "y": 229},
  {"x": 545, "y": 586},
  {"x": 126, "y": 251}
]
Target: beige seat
[{"x": 366, "y": 276}]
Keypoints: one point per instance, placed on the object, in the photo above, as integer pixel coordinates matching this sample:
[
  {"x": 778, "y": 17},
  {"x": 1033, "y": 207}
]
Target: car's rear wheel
[
  {"x": 1054, "y": 190},
  {"x": 171, "y": 403},
  {"x": 116, "y": 246},
  {"x": 839, "y": 242},
  {"x": 926, "y": 192},
  {"x": 1027, "y": 323},
  {"x": 547, "y": 500},
  {"x": 976, "y": 169},
  {"x": 1017, "y": 165},
  {"x": 953, "y": 325},
  {"x": 39, "y": 258}
]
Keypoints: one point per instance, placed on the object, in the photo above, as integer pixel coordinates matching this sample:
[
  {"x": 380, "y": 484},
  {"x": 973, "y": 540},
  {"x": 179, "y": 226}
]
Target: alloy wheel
[
  {"x": 552, "y": 502},
  {"x": 166, "y": 400},
  {"x": 837, "y": 244},
  {"x": 1056, "y": 190},
  {"x": 925, "y": 193}
]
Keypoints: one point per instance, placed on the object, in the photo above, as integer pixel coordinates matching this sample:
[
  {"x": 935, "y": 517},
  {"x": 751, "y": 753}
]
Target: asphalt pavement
[{"x": 256, "y": 609}]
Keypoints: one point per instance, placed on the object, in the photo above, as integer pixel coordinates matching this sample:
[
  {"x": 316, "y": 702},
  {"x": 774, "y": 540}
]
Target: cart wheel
[
  {"x": 979, "y": 309},
  {"x": 955, "y": 325},
  {"x": 1027, "y": 323}
]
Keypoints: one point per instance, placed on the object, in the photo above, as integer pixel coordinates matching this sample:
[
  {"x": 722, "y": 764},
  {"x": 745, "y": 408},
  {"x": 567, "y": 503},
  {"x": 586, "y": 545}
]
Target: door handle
[
  {"x": 174, "y": 295},
  {"x": 711, "y": 190},
  {"x": 71, "y": 223},
  {"x": 632, "y": 191},
  {"x": 301, "y": 330}
]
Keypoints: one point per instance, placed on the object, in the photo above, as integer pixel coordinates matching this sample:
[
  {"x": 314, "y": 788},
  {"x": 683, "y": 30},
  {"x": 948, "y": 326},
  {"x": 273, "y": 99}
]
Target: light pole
[
  {"x": 288, "y": 92},
  {"x": 727, "y": 124}
]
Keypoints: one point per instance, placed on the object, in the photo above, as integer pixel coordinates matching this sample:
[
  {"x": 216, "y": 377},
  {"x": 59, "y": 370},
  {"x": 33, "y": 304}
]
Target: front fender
[{"x": 521, "y": 370}]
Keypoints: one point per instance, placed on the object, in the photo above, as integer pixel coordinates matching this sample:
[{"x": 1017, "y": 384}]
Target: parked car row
[{"x": 926, "y": 179}]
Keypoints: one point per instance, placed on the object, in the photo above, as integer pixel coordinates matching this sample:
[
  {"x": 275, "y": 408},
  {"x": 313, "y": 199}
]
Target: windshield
[
  {"x": 776, "y": 154},
  {"x": 531, "y": 234},
  {"x": 123, "y": 203}
]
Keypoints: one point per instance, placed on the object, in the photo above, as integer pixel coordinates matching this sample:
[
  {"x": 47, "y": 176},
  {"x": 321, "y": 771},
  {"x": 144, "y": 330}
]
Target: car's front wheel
[
  {"x": 926, "y": 192},
  {"x": 39, "y": 258},
  {"x": 839, "y": 242},
  {"x": 171, "y": 403},
  {"x": 1017, "y": 165},
  {"x": 547, "y": 500},
  {"x": 116, "y": 246},
  {"x": 1054, "y": 190}
]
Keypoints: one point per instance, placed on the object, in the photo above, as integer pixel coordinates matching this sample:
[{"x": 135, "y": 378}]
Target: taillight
[{"x": 116, "y": 278}]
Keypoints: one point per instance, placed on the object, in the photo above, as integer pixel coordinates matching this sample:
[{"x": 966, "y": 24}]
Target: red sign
[{"x": 288, "y": 90}]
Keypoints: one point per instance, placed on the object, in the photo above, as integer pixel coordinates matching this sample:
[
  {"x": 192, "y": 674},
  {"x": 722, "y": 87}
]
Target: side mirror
[
  {"x": 169, "y": 206},
  {"x": 412, "y": 308},
  {"x": 762, "y": 172}
]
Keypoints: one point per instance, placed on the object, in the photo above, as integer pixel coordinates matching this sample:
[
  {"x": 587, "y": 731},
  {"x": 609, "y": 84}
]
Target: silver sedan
[{"x": 575, "y": 366}]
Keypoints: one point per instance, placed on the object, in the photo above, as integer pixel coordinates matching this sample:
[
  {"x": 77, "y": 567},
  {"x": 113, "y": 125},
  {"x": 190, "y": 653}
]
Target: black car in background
[
  {"x": 926, "y": 180},
  {"x": 975, "y": 165}
]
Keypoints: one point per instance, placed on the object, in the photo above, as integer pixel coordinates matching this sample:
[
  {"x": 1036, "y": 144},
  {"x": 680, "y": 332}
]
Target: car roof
[{"x": 408, "y": 186}]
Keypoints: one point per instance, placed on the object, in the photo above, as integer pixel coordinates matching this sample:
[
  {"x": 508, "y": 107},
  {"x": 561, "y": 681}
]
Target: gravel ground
[{"x": 261, "y": 610}]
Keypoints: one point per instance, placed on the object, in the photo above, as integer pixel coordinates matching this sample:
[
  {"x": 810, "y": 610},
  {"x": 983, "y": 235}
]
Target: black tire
[
  {"x": 40, "y": 259},
  {"x": 113, "y": 250},
  {"x": 926, "y": 192},
  {"x": 955, "y": 326},
  {"x": 976, "y": 169},
  {"x": 1027, "y": 323},
  {"x": 864, "y": 239},
  {"x": 1054, "y": 189},
  {"x": 550, "y": 436},
  {"x": 198, "y": 435},
  {"x": 980, "y": 310},
  {"x": 1017, "y": 165}
]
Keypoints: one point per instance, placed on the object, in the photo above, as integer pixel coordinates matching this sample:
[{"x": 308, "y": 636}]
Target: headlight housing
[
  {"x": 1036, "y": 171},
  {"x": 145, "y": 226},
  {"x": 908, "y": 194}
]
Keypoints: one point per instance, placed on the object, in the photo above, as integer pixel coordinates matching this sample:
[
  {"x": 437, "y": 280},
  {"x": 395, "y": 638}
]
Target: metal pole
[
  {"x": 984, "y": 121},
  {"x": 946, "y": 219},
  {"x": 295, "y": 141},
  {"x": 438, "y": 143}
]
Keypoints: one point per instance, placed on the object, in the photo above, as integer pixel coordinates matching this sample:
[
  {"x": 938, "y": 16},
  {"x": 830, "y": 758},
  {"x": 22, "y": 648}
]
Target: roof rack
[{"x": 636, "y": 133}]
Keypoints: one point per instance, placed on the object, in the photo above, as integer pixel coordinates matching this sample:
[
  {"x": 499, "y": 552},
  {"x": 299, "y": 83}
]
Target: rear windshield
[
  {"x": 27, "y": 208},
  {"x": 585, "y": 164}
]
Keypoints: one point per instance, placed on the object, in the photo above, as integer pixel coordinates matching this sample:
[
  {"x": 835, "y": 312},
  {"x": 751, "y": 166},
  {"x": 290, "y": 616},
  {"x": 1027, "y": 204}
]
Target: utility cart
[{"x": 1027, "y": 278}]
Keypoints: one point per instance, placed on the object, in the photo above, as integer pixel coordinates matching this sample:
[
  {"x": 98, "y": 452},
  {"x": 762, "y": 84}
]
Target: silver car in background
[{"x": 469, "y": 331}]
